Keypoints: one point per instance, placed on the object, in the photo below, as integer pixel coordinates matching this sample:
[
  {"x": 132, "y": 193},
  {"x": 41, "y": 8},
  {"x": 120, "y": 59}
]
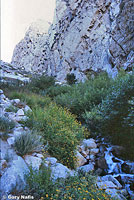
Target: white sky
[{"x": 16, "y": 16}]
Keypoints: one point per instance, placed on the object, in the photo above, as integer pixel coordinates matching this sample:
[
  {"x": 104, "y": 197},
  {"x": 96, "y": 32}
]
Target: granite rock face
[
  {"x": 30, "y": 53},
  {"x": 85, "y": 36}
]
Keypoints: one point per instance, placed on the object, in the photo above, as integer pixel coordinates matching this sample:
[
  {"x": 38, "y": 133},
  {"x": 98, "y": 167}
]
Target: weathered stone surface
[
  {"x": 13, "y": 178},
  {"x": 86, "y": 168},
  {"x": 122, "y": 40},
  {"x": 111, "y": 178},
  {"x": 106, "y": 184},
  {"x": 11, "y": 74},
  {"x": 35, "y": 162},
  {"x": 30, "y": 53},
  {"x": 85, "y": 37},
  {"x": 59, "y": 171},
  {"x": 51, "y": 160},
  {"x": 80, "y": 159},
  {"x": 94, "y": 151},
  {"x": 89, "y": 143}
]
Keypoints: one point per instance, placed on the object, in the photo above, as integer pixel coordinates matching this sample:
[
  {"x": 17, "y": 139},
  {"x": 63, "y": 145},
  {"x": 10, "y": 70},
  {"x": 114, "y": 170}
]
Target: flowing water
[{"x": 122, "y": 170}]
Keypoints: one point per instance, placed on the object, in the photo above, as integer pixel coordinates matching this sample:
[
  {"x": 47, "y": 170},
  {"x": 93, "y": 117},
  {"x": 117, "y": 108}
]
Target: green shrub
[
  {"x": 31, "y": 99},
  {"x": 115, "y": 115},
  {"x": 56, "y": 90},
  {"x": 84, "y": 96},
  {"x": 71, "y": 79},
  {"x": 6, "y": 124},
  {"x": 60, "y": 128},
  {"x": 40, "y": 83},
  {"x": 27, "y": 143},
  {"x": 40, "y": 185}
]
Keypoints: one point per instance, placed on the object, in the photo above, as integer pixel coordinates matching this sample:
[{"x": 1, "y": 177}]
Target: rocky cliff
[{"x": 85, "y": 36}]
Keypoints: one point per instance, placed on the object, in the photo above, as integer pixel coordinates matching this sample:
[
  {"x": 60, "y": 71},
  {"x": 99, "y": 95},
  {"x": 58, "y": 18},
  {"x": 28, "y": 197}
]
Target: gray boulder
[
  {"x": 59, "y": 171},
  {"x": 13, "y": 178}
]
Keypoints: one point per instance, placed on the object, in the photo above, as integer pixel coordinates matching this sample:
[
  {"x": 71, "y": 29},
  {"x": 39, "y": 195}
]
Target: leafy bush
[
  {"x": 84, "y": 96},
  {"x": 56, "y": 90},
  {"x": 71, "y": 79},
  {"x": 40, "y": 83},
  {"x": 60, "y": 128},
  {"x": 6, "y": 124},
  {"x": 40, "y": 185},
  {"x": 27, "y": 143},
  {"x": 115, "y": 115}
]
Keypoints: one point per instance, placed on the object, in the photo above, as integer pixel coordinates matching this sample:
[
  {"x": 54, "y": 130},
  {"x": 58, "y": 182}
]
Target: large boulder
[
  {"x": 89, "y": 143},
  {"x": 59, "y": 171},
  {"x": 14, "y": 177}
]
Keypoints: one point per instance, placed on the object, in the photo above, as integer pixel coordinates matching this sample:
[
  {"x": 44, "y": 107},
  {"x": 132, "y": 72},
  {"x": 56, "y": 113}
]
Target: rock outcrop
[{"x": 85, "y": 36}]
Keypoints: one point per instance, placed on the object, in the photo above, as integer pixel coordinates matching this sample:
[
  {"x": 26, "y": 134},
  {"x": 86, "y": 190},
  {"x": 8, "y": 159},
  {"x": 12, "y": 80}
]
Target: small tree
[{"x": 71, "y": 79}]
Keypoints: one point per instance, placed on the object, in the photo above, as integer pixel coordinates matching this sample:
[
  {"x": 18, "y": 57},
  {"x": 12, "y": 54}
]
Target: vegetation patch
[
  {"x": 61, "y": 129},
  {"x": 6, "y": 124},
  {"x": 40, "y": 83},
  {"x": 114, "y": 116},
  {"x": 27, "y": 143},
  {"x": 33, "y": 100},
  {"x": 41, "y": 186},
  {"x": 83, "y": 96}
]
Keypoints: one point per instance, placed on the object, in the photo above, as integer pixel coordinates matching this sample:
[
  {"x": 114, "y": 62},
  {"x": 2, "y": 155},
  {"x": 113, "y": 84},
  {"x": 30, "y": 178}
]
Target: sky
[{"x": 16, "y": 17}]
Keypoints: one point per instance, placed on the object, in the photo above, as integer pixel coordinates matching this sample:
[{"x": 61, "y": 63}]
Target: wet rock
[
  {"x": 102, "y": 149},
  {"x": 117, "y": 150},
  {"x": 125, "y": 178},
  {"x": 101, "y": 163},
  {"x": 128, "y": 168}
]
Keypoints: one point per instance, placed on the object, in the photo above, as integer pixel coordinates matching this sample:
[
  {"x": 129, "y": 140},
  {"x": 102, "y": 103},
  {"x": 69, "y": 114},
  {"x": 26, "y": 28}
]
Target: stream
[{"x": 122, "y": 170}]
